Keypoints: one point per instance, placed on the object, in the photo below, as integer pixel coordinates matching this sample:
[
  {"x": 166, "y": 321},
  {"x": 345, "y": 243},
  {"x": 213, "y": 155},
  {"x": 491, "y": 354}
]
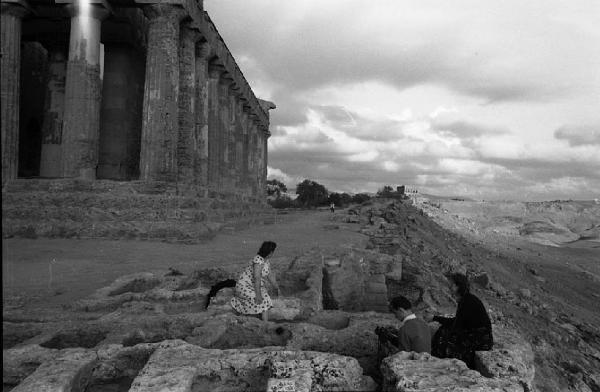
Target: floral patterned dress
[{"x": 244, "y": 298}]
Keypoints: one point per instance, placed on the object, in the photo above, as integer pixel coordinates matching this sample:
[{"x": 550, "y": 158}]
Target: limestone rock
[
  {"x": 358, "y": 340},
  {"x": 511, "y": 358},
  {"x": 358, "y": 280},
  {"x": 208, "y": 333},
  {"x": 285, "y": 309},
  {"x": 178, "y": 368},
  {"x": 421, "y": 372},
  {"x": 302, "y": 278},
  {"x": 19, "y": 362},
  {"x": 69, "y": 371},
  {"x": 142, "y": 287}
]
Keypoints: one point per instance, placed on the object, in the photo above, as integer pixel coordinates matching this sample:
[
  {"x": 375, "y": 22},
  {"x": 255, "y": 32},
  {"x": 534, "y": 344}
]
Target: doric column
[
  {"x": 224, "y": 128},
  {"x": 253, "y": 154},
  {"x": 239, "y": 142},
  {"x": 260, "y": 159},
  {"x": 214, "y": 145},
  {"x": 187, "y": 142},
  {"x": 201, "y": 128},
  {"x": 232, "y": 147},
  {"x": 12, "y": 15},
  {"x": 265, "y": 160},
  {"x": 160, "y": 122},
  {"x": 83, "y": 92},
  {"x": 121, "y": 113},
  {"x": 245, "y": 145},
  {"x": 51, "y": 155}
]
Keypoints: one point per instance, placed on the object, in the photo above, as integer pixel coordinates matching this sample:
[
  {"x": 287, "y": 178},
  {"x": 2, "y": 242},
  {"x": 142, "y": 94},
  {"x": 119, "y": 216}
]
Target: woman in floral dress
[{"x": 251, "y": 296}]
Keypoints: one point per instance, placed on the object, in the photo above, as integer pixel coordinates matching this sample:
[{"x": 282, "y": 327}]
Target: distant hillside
[{"x": 550, "y": 222}]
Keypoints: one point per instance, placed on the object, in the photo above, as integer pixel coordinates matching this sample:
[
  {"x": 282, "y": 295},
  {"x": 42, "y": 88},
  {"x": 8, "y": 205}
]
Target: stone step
[
  {"x": 115, "y": 200},
  {"x": 114, "y": 210},
  {"x": 97, "y": 214},
  {"x": 176, "y": 231},
  {"x": 126, "y": 188}
]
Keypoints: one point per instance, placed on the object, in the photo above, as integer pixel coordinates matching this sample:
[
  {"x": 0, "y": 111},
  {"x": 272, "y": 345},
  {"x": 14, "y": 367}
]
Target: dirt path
[{"x": 53, "y": 272}]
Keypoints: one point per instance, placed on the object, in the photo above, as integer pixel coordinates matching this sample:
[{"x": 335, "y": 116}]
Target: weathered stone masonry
[{"x": 142, "y": 90}]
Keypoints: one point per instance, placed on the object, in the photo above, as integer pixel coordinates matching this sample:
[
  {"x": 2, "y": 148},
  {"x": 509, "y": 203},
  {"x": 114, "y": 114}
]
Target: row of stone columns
[
  {"x": 197, "y": 127},
  {"x": 213, "y": 121}
]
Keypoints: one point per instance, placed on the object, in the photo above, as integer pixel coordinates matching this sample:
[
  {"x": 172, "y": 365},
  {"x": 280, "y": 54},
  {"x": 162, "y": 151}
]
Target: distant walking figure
[
  {"x": 469, "y": 331},
  {"x": 251, "y": 296},
  {"x": 332, "y": 207}
]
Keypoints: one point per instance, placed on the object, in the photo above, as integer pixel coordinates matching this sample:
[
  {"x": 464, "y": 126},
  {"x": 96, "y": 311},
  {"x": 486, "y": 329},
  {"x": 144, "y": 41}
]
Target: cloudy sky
[{"x": 490, "y": 100}]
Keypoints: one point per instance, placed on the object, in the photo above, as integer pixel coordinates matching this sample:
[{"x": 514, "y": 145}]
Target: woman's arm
[{"x": 257, "y": 282}]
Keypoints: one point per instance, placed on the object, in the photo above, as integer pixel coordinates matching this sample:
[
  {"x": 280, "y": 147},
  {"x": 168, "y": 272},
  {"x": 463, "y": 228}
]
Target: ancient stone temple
[{"x": 138, "y": 91}]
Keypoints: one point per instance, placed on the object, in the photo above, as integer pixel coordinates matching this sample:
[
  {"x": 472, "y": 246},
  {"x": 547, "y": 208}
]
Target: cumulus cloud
[
  {"x": 466, "y": 98},
  {"x": 455, "y": 45},
  {"x": 578, "y": 136}
]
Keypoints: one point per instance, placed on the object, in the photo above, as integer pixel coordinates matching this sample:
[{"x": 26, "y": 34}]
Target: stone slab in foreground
[
  {"x": 187, "y": 367},
  {"x": 420, "y": 372}
]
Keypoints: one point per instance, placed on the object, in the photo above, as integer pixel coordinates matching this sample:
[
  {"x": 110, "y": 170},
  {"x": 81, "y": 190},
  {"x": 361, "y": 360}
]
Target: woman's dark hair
[
  {"x": 267, "y": 248},
  {"x": 400, "y": 302},
  {"x": 462, "y": 283}
]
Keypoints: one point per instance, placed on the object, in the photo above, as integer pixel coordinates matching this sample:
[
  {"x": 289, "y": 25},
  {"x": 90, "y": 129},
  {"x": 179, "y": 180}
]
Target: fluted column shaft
[
  {"x": 11, "y": 18},
  {"x": 224, "y": 130},
  {"x": 260, "y": 166},
  {"x": 245, "y": 147},
  {"x": 160, "y": 124},
  {"x": 239, "y": 143},
  {"x": 187, "y": 142},
  {"x": 265, "y": 162},
  {"x": 253, "y": 154},
  {"x": 232, "y": 148},
  {"x": 214, "y": 145},
  {"x": 83, "y": 92},
  {"x": 201, "y": 114},
  {"x": 51, "y": 155}
]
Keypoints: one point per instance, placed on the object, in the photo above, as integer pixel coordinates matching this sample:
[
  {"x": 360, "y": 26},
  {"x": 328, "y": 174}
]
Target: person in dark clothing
[
  {"x": 469, "y": 331},
  {"x": 413, "y": 334}
]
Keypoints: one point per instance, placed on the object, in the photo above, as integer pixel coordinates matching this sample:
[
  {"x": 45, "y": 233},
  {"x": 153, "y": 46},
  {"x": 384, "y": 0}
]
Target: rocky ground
[{"x": 146, "y": 330}]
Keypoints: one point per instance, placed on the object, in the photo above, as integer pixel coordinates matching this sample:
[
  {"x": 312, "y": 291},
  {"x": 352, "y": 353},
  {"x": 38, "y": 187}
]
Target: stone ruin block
[
  {"x": 300, "y": 383},
  {"x": 302, "y": 278},
  {"x": 421, "y": 372},
  {"x": 185, "y": 368},
  {"x": 69, "y": 371},
  {"x": 295, "y": 375},
  {"x": 355, "y": 280},
  {"x": 511, "y": 358},
  {"x": 145, "y": 287}
]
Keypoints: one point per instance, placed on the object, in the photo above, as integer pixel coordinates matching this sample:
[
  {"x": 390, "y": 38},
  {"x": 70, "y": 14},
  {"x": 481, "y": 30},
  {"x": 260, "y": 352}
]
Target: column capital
[
  {"x": 203, "y": 50},
  {"x": 159, "y": 11},
  {"x": 18, "y": 9},
  {"x": 234, "y": 89},
  {"x": 226, "y": 80},
  {"x": 95, "y": 11},
  {"x": 190, "y": 33},
  {"x": 215, "y": 70}
]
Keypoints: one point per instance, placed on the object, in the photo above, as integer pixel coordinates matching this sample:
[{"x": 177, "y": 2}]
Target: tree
[
  {"x": 360, "y": 198},
  {"x": 282, "y": 202},
  {"x": 275, "y": 188},
  {"x": 311, "y": 193},
  {"x": 340, "y": 199},
  {"x": 385, "y": 191}
]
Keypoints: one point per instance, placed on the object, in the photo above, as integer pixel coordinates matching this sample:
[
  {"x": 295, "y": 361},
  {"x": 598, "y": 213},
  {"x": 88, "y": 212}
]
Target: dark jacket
[{"x": 470, "y": 314}]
